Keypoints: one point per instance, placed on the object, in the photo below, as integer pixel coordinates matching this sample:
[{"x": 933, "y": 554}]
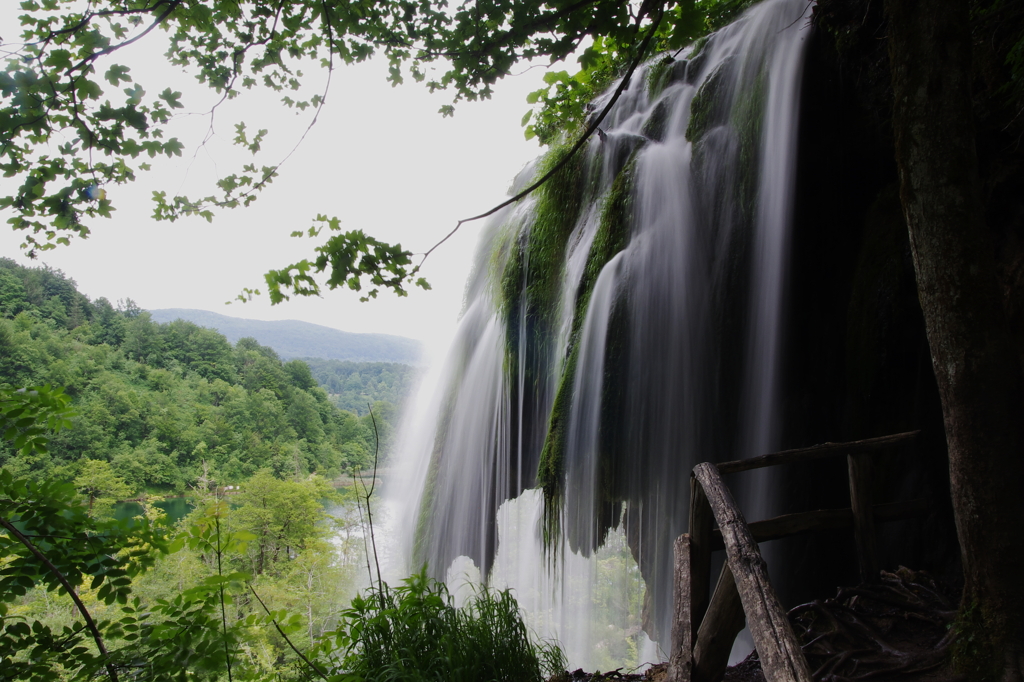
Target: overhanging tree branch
[
  {"x": 623, "y": 84},
  {"x": 114, "y": 48},
  {"x": 281, "y": 632},
  {"x": 97, "y": 637}
]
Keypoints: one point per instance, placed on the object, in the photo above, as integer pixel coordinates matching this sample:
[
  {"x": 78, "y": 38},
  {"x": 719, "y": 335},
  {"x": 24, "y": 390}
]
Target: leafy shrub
[{"x": 415, "y": 632}]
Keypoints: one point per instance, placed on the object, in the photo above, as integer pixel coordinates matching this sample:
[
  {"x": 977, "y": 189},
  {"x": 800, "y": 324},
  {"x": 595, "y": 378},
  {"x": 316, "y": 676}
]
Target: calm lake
[{"x": 175, "y": 507}]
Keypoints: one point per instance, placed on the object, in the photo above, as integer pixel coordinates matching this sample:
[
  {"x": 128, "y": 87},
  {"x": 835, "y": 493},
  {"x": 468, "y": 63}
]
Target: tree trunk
[{"x": 979, "y": 375}]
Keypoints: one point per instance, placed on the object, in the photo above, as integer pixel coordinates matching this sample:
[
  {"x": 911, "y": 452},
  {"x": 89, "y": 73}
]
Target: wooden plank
[
  {"x": 823, "y": 519},
  {"x": 680, "y": 661},
  {"x": 782, "y": 660},
  {"x": 859, "y": 468},
  {"x": 816, "y": 452},
  {"x": 723, "y": 622},
  {"x": 792, "y": 524},
  {"x": 701, "y": 524}
]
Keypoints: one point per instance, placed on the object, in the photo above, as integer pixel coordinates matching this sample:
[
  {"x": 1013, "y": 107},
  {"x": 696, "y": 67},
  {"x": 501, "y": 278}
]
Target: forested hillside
[
  {"x": 296, "y": 339},
  {"x": 354, "y": 385},
  {"x": 159, "y": 401}
]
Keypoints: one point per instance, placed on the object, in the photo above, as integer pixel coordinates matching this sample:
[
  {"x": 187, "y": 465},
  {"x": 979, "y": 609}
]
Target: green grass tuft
[{"x": 415, "y": 633}]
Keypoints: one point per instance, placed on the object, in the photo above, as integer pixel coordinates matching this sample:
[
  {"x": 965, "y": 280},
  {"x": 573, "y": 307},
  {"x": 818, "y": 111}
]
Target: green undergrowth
[{"x": 416, "y": 632}]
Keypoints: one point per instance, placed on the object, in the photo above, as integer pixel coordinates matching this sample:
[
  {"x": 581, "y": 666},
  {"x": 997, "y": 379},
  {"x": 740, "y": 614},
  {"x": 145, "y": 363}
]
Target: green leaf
[
  {"x": 135, "y": 94},
  {"x": 117, "y": 73}
]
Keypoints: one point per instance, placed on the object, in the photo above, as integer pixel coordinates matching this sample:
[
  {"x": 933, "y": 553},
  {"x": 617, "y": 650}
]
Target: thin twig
[
  {"x": 281, "y": 632},
  {"x": 373, "y": 485},
  {"x": 223, "y": 611},
  {"x": 641, "y": 51},
  {"x": 359, "y": 507},
  {"x": 111, "y": 670}
]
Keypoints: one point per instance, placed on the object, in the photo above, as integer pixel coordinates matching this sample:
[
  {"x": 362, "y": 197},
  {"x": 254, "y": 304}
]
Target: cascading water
[{"x": 621, "y": 325}]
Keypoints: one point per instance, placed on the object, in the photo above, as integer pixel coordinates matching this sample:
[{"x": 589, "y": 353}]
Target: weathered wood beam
[
  {"x": 701, "y": 524},
  {"x": 680, "y": 662},
  {"x": 782, "y": 659},
  {"x": 859, "y": 468},
  {"x": 816, "y": 452},
  {"x": 722, "y": 623},
  {"x": 823, "y": 519}
]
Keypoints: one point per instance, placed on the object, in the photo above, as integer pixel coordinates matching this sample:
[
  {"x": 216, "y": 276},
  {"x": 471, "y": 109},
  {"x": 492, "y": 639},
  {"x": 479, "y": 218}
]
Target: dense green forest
[
  {"x": 352, "y": 386},
  {"x": 159, "y": 401},
  {"x": 99, "y": 403}
]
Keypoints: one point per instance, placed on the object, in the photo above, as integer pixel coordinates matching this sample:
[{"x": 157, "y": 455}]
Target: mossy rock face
[
  {"x": 659, "y": 76},
  {"x": 529, "y": 279},
  {"x": 711, "y": 102},
  {"x": 551, "y": 469},
  {"x": 747, "y": 118},
  {"x": 614, "y": 454},
  {"x": 654, "y": 126},
  {"x": 698, "y": 58},
  {"x": 680, "y": 67},
  {"x": 612, "y": 237},
  {"x": 531, "y": 274},
  {"x": 559, "y": 204},
  {"x": 510, "y": 289}
]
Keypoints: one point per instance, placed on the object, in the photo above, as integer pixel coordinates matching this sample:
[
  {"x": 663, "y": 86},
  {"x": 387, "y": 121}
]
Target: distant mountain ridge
[{"x": 295, "y": 339}]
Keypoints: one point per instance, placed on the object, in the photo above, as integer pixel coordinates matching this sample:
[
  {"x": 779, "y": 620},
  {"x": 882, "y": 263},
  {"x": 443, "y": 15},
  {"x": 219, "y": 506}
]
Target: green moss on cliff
[
  {"x": 654, "y": 126},
  {"x": 658, "y": 76},
  {"x": 530, "y": 283},
  {"x": 747, "y": 118},
  {"x": 612, "y": 236},
  {"x": 558, "y": 209},
  {"x": 709, "y": 101}
]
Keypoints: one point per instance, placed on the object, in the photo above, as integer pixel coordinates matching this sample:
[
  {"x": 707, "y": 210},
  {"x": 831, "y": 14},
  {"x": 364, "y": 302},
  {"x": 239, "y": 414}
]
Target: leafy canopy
[{"x": 75, "y": 121}]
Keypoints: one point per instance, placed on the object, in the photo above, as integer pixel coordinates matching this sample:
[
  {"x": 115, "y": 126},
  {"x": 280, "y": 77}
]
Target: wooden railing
[{"x": 705, "y": 625}]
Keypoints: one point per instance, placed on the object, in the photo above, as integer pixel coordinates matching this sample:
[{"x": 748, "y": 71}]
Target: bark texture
[
  {"x": 979, "y": 380},
  {"x": 782, "y": 659}
]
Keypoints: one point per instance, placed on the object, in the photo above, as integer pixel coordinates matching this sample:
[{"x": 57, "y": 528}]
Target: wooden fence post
[
  {"x": 723, "y": 621},
  {"x": 782, "y": 659},
  {"x": 700, "y": 540},
  {"x": 680, "y": 662},
  {"x": 859, "y": 467}
]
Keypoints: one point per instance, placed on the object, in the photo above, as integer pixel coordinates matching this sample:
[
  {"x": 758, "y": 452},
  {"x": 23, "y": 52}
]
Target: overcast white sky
[{"x": 380, "y": 158}]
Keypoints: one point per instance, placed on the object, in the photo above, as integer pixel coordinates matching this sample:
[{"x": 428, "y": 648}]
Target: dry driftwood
[
  {"x": 896, "y": 625},
  {"x": 781, "y": 657},
  {"x": 723, "y": 622},
  {"x": 701, "y": 524},
  {"x": 681, "y": 658}
]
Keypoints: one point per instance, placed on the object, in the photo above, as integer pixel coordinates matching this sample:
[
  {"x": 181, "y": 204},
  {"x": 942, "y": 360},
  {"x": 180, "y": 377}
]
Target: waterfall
[{"x": 621, "y": 325}]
